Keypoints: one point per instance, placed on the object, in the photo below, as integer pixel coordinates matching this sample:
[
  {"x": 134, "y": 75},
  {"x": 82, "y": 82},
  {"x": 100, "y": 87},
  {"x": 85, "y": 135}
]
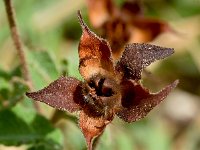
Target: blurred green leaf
[
  {"x": 181, "y": 67},
  {"x": 42, "y": 67},
  {"x": 11, "y": 91},
  {"x": 16, "y": 130},
  {"x": 41, "y": 125},
  {"x": 46, "y": 145}
]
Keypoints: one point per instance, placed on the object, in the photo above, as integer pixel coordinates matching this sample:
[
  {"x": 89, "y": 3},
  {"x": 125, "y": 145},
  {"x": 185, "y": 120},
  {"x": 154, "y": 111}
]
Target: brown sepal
[
  {"x": 92, "y": 127},
  {"x": 138, "y": 56},
  {"x": 132, "y": 8},
  {"x": 63, "y": 94},
  {"x": 99, "y": 11},
  {"x": 94, "y": 53},
  {"x": 147, "y": 29},
  {"x": 137, "y": 102}
]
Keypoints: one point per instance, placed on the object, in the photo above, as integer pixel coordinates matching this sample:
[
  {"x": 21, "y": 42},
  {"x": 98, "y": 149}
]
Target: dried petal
[
  {"x": 94, "y": 53},
  {"x": 64, "y": 94},
  {"x": 91, "y": 127},
  {"x": 138, "y": 102},
  {"x": 99, "y": 11},
  {"x": 132, "y": 8},
  {"x": 117, "y": 32},
  {"x": 138, "y": 56},
  {"x": 147, "y": 29}
]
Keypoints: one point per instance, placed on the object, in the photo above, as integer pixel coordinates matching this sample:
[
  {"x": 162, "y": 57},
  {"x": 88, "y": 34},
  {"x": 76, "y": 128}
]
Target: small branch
[
  {"x": 16, "y": 38},
  {"x": 18, "y": 44}
]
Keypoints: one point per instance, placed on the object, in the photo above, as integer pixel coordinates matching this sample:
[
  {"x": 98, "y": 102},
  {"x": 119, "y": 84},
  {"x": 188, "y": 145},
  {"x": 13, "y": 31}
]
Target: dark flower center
[
  {"x": 98, "y": 93},
  {"x": 101, "y": 87}
]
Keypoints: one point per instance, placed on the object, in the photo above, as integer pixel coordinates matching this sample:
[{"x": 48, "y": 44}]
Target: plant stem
[
  {"x": 16, "y": 38},
  {"x": 18, "y": 44}
]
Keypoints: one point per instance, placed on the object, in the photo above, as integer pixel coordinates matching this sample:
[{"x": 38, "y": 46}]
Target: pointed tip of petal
[
  {"x": 82, "y": 23},
  {"x": 30, "y": 95},
  {"x": 145, "y": 104},
  {"x": 175, "y": 83}
]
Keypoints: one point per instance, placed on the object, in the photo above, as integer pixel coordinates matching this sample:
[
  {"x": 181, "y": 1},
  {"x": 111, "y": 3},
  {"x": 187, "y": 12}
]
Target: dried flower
[
  {"x": 125, "y": 24},
  {"x": 108, "y": 88}
]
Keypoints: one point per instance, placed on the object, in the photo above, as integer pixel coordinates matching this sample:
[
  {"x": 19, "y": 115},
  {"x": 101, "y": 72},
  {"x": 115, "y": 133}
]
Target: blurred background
[{"x": 50, "y": 32}]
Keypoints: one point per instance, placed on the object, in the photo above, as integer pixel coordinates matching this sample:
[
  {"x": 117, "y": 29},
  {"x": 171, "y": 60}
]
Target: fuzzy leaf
[
  {"x": 138, "y": 102},
  {"x": 138, "y": 56},
  {"x": 63, "y": 94},
  {"x": 94, "y": 53}
]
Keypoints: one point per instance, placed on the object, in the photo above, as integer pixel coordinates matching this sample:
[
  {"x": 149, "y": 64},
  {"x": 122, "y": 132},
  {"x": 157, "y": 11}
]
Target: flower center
[{"x": 98, "y": 95}]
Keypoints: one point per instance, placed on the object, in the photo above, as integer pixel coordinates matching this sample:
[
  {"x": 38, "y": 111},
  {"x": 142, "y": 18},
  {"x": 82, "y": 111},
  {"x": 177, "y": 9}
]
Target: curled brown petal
[
  {"x": 64, "y": 94},
  {"x": 91, "y": 127},
  {"x": 137, "y": 102},
  {"x": 94, "y": 53},
  {"x": 138, "y": 56}
]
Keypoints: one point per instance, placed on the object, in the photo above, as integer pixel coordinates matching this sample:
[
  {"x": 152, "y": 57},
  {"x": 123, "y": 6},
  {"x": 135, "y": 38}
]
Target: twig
[
  {"x": 16, "y": 38},
  {"x": 18, "y": 44}
]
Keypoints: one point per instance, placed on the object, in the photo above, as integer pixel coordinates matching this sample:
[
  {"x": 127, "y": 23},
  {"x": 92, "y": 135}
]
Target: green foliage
[
  {"x": 22, "y": 126},
  {"x": 11, "y": 91},
  {"x": 42, "y": 67}
]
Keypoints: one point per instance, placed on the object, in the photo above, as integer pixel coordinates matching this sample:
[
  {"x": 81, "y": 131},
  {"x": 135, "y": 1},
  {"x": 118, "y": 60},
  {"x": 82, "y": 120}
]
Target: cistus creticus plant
[{"x": 109, "y": 88}]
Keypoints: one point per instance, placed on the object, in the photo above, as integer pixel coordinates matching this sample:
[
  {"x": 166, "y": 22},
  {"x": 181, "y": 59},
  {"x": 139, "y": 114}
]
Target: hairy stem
[
  {"x": 18, "y": 44},
  {"x": 16, "y": 38}
]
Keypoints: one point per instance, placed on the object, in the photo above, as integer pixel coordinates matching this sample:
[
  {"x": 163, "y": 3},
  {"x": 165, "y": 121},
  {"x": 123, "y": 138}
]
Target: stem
[
  {"x": 18, "y": 45},
  {"x": 16, "y": 38}
]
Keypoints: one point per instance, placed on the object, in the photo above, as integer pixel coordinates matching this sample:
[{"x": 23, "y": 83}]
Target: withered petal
[
  {"x": 91, "y": 127},
  {"x": 142, "y": 102},
  {"x": 132, "y": 8},
  {"x": 100, "y": 11},
  {"x": 147, "y": 29},
  {"x": 138, "y": 56},
  {"x": 94, "y": 53},
  {"x": 64, "y": 94}
]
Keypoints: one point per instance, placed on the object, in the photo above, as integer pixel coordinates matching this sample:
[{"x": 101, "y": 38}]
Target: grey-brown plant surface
[{"x": 108, "y": 88}]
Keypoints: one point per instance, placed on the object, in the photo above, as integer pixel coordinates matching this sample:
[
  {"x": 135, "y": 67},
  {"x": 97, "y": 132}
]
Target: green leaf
[
  {"x": 46, "y": 145},
  {"x": 56, "y": 136},
  {"x": 42, "y": 67},
  {"x": 23, "y": 126},
  {"x": 14, "y": 130},
  {"x": 73, "y": 63},
  {"x": 41, "y": 125}
]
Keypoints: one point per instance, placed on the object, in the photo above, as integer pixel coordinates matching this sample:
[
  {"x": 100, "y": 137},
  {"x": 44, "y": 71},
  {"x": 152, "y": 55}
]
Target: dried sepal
[
  {"x": 91, "y": 127},
  {"x": 138, "y": 56},
  {"x": 142, "y": 102},
  {"x": 63, "y": 94},
  {"x": 130, "y": 9},
  {"x": 94, "y": 53},
  {"x": 147, "y": 29},
  {"x": 99, "y": 11}
]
